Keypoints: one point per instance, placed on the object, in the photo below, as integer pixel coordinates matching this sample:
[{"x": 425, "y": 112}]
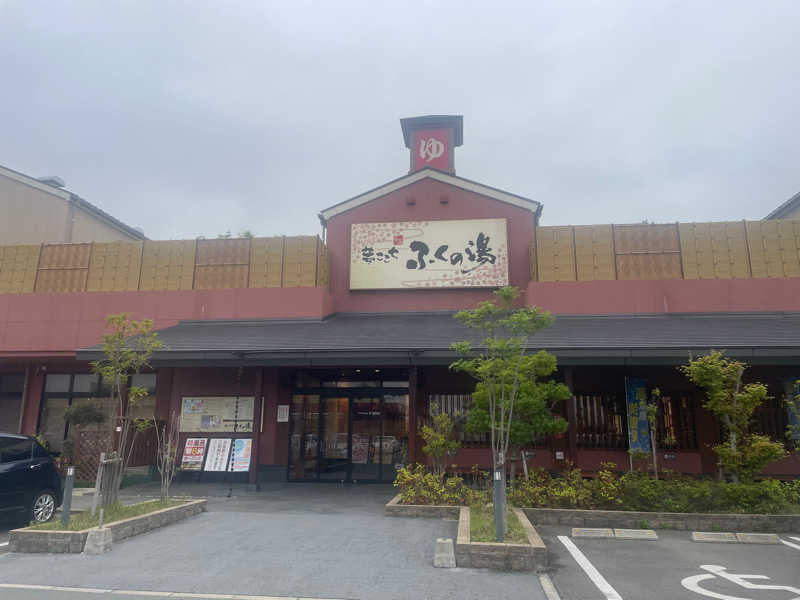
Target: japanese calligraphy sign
[
  {"x": 638, "y": 427},
  {"x": 431, "y": 149},
  {"x": 429, "y": 254}
]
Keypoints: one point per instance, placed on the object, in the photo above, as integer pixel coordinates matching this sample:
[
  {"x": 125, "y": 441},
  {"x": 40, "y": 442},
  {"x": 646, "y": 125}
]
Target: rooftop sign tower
[{"x": 432, "y": 140}]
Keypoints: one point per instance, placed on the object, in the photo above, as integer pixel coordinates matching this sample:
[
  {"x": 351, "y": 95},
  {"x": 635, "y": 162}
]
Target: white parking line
[
  {"x": 796, "y": 539},
  {"x": 52, "y": 588},
  {"x": 590, "y": 570},
  {"x": 791, "y": 545}
]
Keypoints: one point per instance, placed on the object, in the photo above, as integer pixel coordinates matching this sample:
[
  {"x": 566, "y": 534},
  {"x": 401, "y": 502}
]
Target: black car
[{"x": 29, "y": 483}]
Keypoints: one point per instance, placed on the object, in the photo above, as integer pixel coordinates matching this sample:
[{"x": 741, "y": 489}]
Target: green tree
[
  {"x": 532, "y": 415},
  {"x": 792, "y": 401},
  {"x": 127, "y": 349},
  {"x": 440, "y": 440},
  {"x": 499, "y": 362},
  {"x": 742, "y": 454}
]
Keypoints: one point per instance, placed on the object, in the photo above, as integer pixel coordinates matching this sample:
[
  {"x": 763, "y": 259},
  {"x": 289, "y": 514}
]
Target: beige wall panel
[
  {"x": 774, "y": 247},
  {"x": 266, "y": 262},
  {"x": 649, "y": 266},
  {"x": 30, "y": 215},
  {"x": 234, "y": 251},
  {"x": 646, "y": 238},
  {"x": 65, "y": 256},
  {"x": 714, "y": 250},
  {"x": 300, "y": 261},
  {"x": 216, "y": 277},
  {"x": 115, "y": 267},
  {"x": 594, "y": 252},
  {"x": 18, "y": 268},
  {"x": 167, "y": 265},
  {"x": 61, "y": 280},
  {"x": 323, "y": 266},
  {"x": 555, "y": 254}
]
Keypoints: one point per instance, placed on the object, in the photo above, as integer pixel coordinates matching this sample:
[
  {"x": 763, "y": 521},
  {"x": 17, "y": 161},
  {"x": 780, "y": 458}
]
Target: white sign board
[
  {"x": 218, "y": 451},
  {"x": 468, "y": 253},
  {"x": 242, "y": 450},
  {"x": 283, "y": 413}
]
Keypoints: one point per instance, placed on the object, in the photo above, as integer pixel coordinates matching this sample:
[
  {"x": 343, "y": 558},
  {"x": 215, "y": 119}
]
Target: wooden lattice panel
[
  {"x": 167, "y": 265},
  {"x": 323, "y": 266},
  {"x": 649, "y": 266},
  {"x": 222, "y": 264},
  {"x": 218, "y": 277},
  {"x": 115, "y": 267},
  {"x": 266, "y": 262},
  {"x": 555, "y": 254},
  {"x": 18, "y": 268},
  {"x": 63, "y": 268},
  {"x": 594, "y": 252}
]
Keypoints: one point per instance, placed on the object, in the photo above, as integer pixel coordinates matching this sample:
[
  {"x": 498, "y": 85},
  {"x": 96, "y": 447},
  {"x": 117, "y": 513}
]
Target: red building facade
[{"x": 329, "y": 382}]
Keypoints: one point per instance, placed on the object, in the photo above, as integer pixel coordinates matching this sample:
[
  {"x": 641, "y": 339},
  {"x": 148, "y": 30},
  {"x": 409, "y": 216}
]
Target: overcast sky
[{"x": 191, "y": 118}]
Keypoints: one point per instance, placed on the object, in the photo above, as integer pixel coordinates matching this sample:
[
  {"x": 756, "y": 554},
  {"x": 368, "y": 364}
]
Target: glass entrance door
[
  {"x": 333, "y": 459},
  {"x": 366, "y": 436},
  {"x": 357, "y": 434}
]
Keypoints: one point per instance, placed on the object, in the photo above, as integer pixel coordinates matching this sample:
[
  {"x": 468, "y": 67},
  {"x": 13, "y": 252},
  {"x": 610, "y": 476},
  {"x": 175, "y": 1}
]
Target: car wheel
[{"x": 43, "y": 508}]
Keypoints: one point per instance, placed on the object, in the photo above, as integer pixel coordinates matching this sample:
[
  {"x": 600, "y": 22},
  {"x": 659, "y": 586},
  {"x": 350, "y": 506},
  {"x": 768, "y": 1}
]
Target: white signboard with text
[{"x": 469, "y": 253}]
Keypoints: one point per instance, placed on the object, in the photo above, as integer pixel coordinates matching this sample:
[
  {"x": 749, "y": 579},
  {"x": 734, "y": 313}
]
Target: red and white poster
[{"x": 193, "y": 453}]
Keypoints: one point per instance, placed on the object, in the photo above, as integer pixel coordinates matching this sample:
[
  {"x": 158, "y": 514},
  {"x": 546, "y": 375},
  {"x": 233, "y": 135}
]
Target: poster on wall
[
  {"x": 193, "y": 452},
  {"x": 466, "y": 253},
  {"x": 636, "y": 403},
  {"x": 217, "y": 413},
  {"x": 218, "y": 452},
  {"x": 242, "y": 449}
]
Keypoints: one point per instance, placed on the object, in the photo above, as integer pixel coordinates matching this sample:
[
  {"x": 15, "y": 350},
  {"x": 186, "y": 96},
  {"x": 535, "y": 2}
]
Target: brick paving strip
[{"x": 55, "y": 588}]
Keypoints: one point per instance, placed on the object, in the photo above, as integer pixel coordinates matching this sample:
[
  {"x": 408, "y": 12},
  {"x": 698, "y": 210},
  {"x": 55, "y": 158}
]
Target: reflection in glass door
[
  {"x": 394, "y": 439},
  {"x": 333, "y": 448},
  {"x": 366, "y": 454},
  {"x": 304, "y": 435}
]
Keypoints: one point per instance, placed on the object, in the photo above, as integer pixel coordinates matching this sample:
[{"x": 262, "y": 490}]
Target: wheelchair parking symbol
[{"x": 693, "y": 582}]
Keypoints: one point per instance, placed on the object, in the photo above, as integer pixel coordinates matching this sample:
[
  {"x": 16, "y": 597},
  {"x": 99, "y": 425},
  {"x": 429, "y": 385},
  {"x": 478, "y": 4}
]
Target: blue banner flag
[
  {"x": 636, "y": 402},
  {"x": 791, "y": 389}
]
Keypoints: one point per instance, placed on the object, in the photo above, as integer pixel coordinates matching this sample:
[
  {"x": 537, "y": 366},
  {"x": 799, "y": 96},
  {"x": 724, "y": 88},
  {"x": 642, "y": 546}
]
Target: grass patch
[
  {"x": 118, "y": 512},
  {"x": 481, "y": 526}
]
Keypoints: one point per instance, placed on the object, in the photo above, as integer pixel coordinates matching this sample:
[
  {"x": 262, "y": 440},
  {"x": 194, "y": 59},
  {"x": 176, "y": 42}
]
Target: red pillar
[
  {"x": 32, "y": 400},
  {"x": 255, "y": 451}
]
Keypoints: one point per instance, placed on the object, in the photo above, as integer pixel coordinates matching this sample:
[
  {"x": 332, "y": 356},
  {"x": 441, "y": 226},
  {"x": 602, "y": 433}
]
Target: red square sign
[{"x": 432, "y": 149}]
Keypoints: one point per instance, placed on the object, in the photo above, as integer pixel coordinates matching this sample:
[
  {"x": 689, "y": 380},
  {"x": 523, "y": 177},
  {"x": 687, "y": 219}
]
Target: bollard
[
  {"x": 100, "y": 524},
  {"x": 66, "y": 505}
]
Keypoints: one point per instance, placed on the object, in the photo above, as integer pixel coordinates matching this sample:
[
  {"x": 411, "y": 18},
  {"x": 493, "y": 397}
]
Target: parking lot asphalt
[
  {"x": 302, "y": 540},
  {"x": 670, "y": 568}
]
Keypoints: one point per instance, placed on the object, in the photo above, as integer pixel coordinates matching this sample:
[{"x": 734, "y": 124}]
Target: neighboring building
[
  {"x": 42, "y": 211},
  {"x": 788, "y": 210},
  {"x": 321, "y": 355}
]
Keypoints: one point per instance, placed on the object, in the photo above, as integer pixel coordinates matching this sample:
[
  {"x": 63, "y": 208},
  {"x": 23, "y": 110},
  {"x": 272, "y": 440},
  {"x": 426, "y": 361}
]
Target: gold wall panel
[
  {"x": 266, "y": 262},
  {"x": 714, "y": 250},
  {"x": 61, "y": 280},
  {"x": 594, "y": 252},
  {"x": 555, "y": 253},
  {"x": 115, "y": 267},
  {"x": 216, "y": 277},
  {"x": 300, "y": 261},
  {"x": 18, "y": 268},
  {"x": 167, "y": 265},
  {"x": 773, "y": 247},
  {"x": 648, "y": 266}
]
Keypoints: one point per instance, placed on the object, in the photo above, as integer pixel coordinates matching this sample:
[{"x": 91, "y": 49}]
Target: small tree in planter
[
  {"x": 742, "y": 454},
  {"x": 166, "y": 452},
  {"x": 532, "y": 415},
  {"x": 501, "y": 364},
  {"x": 127, "y": 349}
]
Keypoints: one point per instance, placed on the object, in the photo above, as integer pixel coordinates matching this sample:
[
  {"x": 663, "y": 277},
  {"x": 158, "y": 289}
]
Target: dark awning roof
[{"x": 425, "y": 338}]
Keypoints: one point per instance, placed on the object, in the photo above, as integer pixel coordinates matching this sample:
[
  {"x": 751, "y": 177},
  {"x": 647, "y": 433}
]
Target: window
[
  {"x": 12, "y": 383},
  {"x": 12, "y": 450},
  {"x": 62, "y": 390},
  {"x": 600, "y": 421},
  {"x": 146, "y": 381}
]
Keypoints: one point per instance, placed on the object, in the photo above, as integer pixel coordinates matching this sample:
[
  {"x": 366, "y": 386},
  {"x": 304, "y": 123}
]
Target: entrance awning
[{"x": 424, "y": 338}]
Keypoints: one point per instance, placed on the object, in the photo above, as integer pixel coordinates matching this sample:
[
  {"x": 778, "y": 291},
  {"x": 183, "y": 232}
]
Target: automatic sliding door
[
  {"x": 333, "y": 449},
  {"x": 394, "y": 440},
  {"x": 304, "y": 436}
]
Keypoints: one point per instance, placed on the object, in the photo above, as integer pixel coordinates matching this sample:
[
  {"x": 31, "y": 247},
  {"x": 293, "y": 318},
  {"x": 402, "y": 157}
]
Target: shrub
[
  {"x": 419, "y": 486},
  {"x": 641, "y": 492}
]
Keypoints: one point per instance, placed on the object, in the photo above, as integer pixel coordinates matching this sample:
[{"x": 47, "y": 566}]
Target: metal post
[
  {"x": 100, "y": 522},
  {"x": 499, "y": 529},
  {"x": 97, "y": 483},
  {"x": 67, "y": 503}
]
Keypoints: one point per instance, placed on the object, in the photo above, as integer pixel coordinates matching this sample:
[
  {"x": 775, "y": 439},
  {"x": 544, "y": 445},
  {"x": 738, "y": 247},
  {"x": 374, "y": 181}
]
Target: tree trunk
[
  {"x": 499, "y": 496},
  {"x": 655, "y": 454}
]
